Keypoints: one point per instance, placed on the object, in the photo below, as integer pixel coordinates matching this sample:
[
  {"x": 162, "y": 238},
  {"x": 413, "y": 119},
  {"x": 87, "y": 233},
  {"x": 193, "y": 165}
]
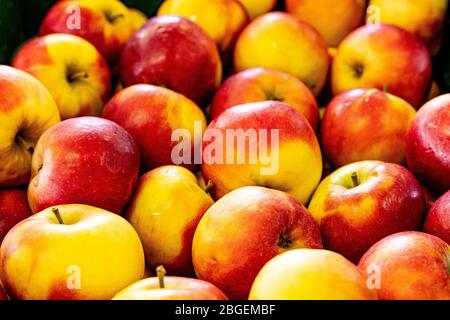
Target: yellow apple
[{"x": 256, "y": 8}]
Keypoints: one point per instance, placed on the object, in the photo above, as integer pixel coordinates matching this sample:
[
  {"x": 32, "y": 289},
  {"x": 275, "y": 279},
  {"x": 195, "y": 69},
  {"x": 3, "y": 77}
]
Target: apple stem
[
  {"x": 209, "y": 186},
  {"x": 355, "y": 179},
  {"x": 161, "y": 273},
  {"x": 113, "y": 19},
  {"x": 26, "y": 145},
  {"x": 386, "y": 88},
  {"x": 77, "y": 76},
  {"x": 58, "y": 215}
]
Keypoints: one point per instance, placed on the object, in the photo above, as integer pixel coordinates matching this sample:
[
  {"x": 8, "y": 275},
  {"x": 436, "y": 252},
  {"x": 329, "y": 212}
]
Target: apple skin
[
  {"x": 333, "y": 21},
  {"x": 86, "y": 160},
  {"x": 175, "y": 288},
  {"x": 37, "y": 253},
  {"x": 26, "y": 110},
  {"x": 13, "y": 209},
  {"x": 109, "y": 37},
  {"x": 245, "y": 229},
  {"x": 55, "y": 60},
  {"x": 422, "y": 17},
  {"x": 138, "y": 18},
  {"x": 223, "y": 20},
  {"x": 348, "y": 133},
  {"x": 437, "y": 221},
  {"x": 145, "y": 110},
  {"x": 298, "y": 168},
  {"x": 310, "y": 274},
  {"x": 166, "y": 219},
  {"x": 428, "y": 144},
  {"x": 188, "y": 60},
  {"x": 383, "y": 57},
  {"x": 280, "y": 41},
  {"x": 256, "y": 8},
  {"x": 3, "y": 295},
  {"x": 413, "y": 266},
  {"x": 261, "y": 84},
  {"x": 388, "y": 199}
]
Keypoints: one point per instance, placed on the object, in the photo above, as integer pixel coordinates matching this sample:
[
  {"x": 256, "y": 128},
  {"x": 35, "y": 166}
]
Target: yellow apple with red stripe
[
  {"x": 280, "y": 41},
  {"x": 306, "y": 274},
  {"x": 73, "y": 71},
  {"x": 27, "y": 110},
  {"x": 166, "y": 220},
  {"x": 256, "y": 8},
  {"x": 71, "y": 252}
]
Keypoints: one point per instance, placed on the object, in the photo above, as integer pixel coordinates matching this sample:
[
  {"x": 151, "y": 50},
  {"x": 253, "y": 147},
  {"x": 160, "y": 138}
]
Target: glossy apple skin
[
  {"x": 428, "y": 144},
  {"x": 348, "y": 133},
  {"x": 84, "y": 160},
  {"x": 166, "y": 219},
  {"x": 184, "y": 58},
  {"x": 300, "y": 161},
  {"x": 437, "y": 221},
  {"x": 383, "y": 57},
  {"x": 261, "y": 84},
  {"x": 333, "y": 21},
  {"x": 38, "y": 254},
  {"x": 145, "y": 110},
  {"x": 280, "y": 41},
  {"x": 412, "y": 265},
  {"x": 245, "y": 229},
  {"x": 13, "y": 209},
  {"x": 175, "y": 288},
  {"x": 49, "y": 58},
  {"x": 387, "y": 200},
  {"x": 223, "y": 20},
  {"x": 307, "y": 274},
  {"x": 26, "y": 110},
  {"x": 108, "y": 37}
]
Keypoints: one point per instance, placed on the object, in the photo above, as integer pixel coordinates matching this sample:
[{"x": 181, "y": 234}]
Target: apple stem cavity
[
  {"x": 161, "y": 273},
  {"x": 58, "y": 215},
  {"x": 209, "y": 186},
  {"x": 77, "y": 76},
  {"x": 386, "y": 88},
  {"x": 355, "y": 179},
  {"x": 284, "y": 242}
]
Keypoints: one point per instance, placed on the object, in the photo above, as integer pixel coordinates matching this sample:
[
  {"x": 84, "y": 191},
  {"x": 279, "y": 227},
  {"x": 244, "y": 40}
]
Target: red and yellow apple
[
  {"x": 245, "y": 229},
  {"x": 173, "y": 52},
  {"x": 428, "y": 144},
  {"x": 26, "y": 110},
  {"x": 280, "y": 41},
  {"x": 13, "y": 209},
  {"x": 307, "y": 274},
  {"x": 73, "y": 71},
  {"x": 363, "y": 202},
  {"x": 3, "y": 295},
  {"x": 138, "y": 18},
  {"x": 333, "y": 19},
  {"x": 70, "y": 252},
  {"x": 383, "y": 57},
  {"x": 366, "y": 124},
  {"x": 86, "y": 160},
  {"x": 437, "y": 221},
  {"x": 261, "y": 84},
  {"x": 411, "y": 265},
  {"x": 256, "y": 8}
]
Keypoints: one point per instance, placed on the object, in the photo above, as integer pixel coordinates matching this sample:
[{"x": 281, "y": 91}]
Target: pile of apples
[{"x": 92, "y": 202}]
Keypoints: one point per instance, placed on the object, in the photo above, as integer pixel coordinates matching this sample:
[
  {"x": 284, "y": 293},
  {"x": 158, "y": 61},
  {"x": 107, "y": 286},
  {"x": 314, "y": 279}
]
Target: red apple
[
  {"x": 428, "y": 144},
  {"x": 410, "y": 266},
  {"x": 437, "y": 221},
  {"x": 84, "y": 160},
  {"x": 244, "y": 230},
  {"x": 13, "y": 209},
  {"x": 173, "y": 52}
]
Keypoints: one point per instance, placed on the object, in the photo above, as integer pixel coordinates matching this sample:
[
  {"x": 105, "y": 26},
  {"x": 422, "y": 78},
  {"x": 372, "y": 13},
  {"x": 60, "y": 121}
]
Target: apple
[
  {"x": 13, "y": 209},
  {"x": 223, "y": 20},
  {"x": 138, "y": 18},
  {"x": 428, "y": 144},
  {"x": 86, "y": 160},
  {"x": 437, "y": 221},
  {"x": 183, "y": 58},
  {"x": 348, "y": 133},
  {"x": 245, "y": 229},
  {"x": 383, "y": 57},
  {"x": 3, "y": 295},
  {"x": 260, "y": 84},
  {"x": 107, "y": 24},
  {"x": 310, "y": 274},
  {"x": 280, "y": 41},
  {"x": 268, "y": 144},
  {"x": 363, "y": 202},
  {"x": 256, "y": 8},
  {"x": 26, "y": 110},
  {"x": 333, "y": 20},
  {"x": 73, "y": 71},
  {"x": 146, "y": 110},
  {"x": 70, "y": 252},
  {"x": 412, "y": 266},
  {"x": 165, "y": 210},
  {"x": 422, "y": 17}
]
